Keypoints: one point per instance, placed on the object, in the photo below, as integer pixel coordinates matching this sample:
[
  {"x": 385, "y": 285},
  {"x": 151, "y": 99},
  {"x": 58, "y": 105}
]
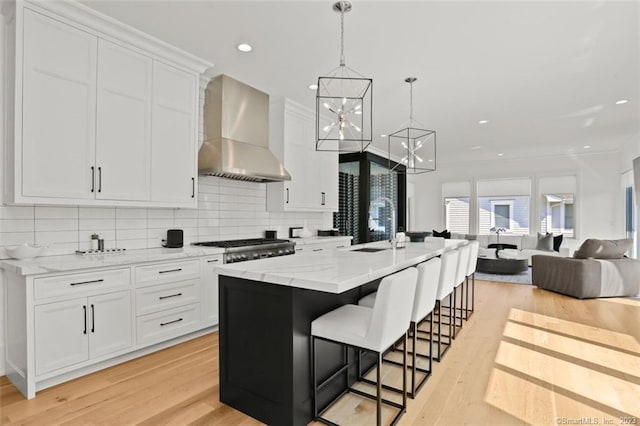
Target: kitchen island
[{"x": 266, "y": 310}]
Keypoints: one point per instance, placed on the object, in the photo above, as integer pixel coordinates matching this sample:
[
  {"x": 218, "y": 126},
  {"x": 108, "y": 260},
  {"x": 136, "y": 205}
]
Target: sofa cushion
[
  {"x": 603, "y": 249},
  {"x": 557, "y": 242},
  {"x": 529, "y": 242},
  {"x": 545, "y": 242},
  {"x": 444, "y": 234},
  {"x": 515, "y": 240}
]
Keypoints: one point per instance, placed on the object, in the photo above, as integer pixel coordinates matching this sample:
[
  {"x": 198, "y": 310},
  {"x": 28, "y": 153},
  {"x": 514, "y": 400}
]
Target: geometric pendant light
[
  {"x": 343, "y": 104},
  {"x": 418, "y": 144}
]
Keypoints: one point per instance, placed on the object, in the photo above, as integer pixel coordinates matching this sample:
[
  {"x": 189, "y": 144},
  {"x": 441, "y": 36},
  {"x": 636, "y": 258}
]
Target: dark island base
[{"x": 265, "y": 349}]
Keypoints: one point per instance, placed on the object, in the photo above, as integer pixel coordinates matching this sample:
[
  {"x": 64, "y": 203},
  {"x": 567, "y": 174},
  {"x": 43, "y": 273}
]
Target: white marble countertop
[
  {"x": 318, "y": 240},
  {"x": 339, "y": 270},
  {"x": 74, "y": 262}
]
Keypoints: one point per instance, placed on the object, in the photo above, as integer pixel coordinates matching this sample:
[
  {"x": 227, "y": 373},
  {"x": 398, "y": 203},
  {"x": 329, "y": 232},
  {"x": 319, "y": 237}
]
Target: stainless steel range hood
[{"x": 236, "y": 134}]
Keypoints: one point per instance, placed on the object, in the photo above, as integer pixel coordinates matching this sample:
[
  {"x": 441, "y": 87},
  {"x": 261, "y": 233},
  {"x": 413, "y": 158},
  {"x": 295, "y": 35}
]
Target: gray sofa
[{"x": 587, "y": 278}]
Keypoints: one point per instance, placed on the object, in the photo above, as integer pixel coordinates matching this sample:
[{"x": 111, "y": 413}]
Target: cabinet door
[
  {"x": 61, "y": 334},
  {"x": 328, "y": 178},
  {"x": 110, "y": 323},
  {"x": 297, "y": 162},
  {"x": 209, "y": 286},
  {"x": 123, "y": 138},
  {"x": 174, "y": 132},
  {"x": 58, "y": 110}
]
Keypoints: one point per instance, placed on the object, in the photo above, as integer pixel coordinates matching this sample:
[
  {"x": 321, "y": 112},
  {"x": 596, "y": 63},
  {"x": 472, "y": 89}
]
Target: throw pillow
[
  {"x": 545, "y": 242},
  {"x": 557, "y": 242},
  {"x": 603, "y": 249},
  {"x": 444, "y": 234}
]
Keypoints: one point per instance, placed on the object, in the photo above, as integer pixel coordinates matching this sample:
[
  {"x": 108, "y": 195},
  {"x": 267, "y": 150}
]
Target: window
[
  {"x": 501, "y": 214},
  {"x": 504, "y": 203},
  {"x": 456, "y": 213},
  {"x": 557, "y": 214}
]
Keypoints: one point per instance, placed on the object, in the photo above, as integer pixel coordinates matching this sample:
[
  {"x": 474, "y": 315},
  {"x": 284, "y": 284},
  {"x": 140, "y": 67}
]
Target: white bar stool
[
  {"x": 461, "y": 276},
  {"x": 370, "y": 329},
  {"x": 446, "y": 283},
  {"x": 423, "y": 306},
  {"x": 474, "y": 247}
]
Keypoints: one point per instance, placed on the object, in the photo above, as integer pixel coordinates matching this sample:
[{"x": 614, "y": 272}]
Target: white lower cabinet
[
  {"x": 322, "y": 245},
  {"x": 209, "y": 283},
  {"x": 60, "y": 326},
  {"x": 74, "y": 331}
]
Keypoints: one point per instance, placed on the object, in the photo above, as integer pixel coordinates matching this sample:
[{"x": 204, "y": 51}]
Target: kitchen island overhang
[{"x": 266, "y": 310}]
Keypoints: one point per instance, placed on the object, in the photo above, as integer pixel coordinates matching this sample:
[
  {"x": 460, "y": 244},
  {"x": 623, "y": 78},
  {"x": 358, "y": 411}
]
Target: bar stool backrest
[
  {"x": 392, "y": 310},
  {"x": 448, "y": 268},
  {"x": 463, "y": 263},
  {"x": 474, "y": 246},
  {"x": 426, "y": 288}
]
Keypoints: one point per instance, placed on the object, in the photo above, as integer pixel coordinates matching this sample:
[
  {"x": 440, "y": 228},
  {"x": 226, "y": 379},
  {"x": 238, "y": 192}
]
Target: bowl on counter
[{"x": 25, "y": 251}]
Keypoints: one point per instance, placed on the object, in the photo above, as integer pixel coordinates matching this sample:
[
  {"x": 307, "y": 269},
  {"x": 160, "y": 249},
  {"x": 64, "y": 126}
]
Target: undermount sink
[{"x": 369, "y": 250}]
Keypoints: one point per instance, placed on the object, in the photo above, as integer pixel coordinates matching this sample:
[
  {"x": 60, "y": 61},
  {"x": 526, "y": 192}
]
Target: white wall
[{"x": 596, "y": 198}]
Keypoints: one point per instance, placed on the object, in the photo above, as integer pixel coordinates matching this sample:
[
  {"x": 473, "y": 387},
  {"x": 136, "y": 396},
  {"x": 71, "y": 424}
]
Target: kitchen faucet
[{"x": 392, "y": 240}]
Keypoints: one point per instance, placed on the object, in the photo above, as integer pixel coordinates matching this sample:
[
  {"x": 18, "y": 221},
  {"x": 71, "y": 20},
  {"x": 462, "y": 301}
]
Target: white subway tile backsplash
[
  {"x": 91, "y": 224},
  {"x": 131, "y": 224},
  {"x": 56, "y": 225},
  {"x": 226, "y": 210},
  {"x": 97, "y": 212},
  {"x": 16, "y": 225},
  {"x": 131, "y": 213},
  {"x": 50, "y": 212},
  {"x": 17, "y": 212},
  {"x": 17, "y": 238}
]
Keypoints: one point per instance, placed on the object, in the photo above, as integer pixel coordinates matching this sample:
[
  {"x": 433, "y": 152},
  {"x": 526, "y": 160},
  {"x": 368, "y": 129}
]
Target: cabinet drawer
[
  {"x": 167, "y": 272},
  {"x": 165, "y": 296},
  {"x": 167, "y": 324},
  {"x": 81, "y": 284}
]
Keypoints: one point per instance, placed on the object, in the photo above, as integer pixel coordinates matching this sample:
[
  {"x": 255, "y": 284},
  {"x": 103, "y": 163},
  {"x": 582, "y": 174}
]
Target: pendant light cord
[
  {"x": 342, "y": 34},
  {"x": 411, "y": 102}
]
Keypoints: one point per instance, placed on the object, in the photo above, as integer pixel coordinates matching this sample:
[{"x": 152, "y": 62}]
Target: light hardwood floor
[{"x": 527, "y": 356}]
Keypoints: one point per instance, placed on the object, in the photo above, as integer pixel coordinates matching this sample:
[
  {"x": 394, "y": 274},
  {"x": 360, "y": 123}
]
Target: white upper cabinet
[
  {"x": 123, "y": 141},
  {"x": 58, "y": 109},
  {"x": 314, "y": 174},
  {"x": 174, "y": 161},
  {"x": 97, "y": 112}
]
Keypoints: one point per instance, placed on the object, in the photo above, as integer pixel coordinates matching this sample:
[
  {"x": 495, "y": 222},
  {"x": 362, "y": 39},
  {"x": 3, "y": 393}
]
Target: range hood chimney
[{"x": 236, "y": 134}]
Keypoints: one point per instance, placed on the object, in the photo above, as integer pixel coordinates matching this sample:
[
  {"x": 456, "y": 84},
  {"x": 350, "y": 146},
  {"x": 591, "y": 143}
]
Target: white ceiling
[{"x": 546, "y": 74}]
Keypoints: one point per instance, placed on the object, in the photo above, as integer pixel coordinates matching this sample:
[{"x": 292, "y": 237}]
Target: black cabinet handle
[
  {"x": 318, "y": 249},
  {"x": 99, "y": 179},
  {"x": 84, "y": 308},
  {"x": 171, "y": 295},
  {"x": 193, "y": 187},
  {"x": 340, "y": 246},
  {"x": 93, "y": 179},
  {"x": 162, "y": 324},
  {"x": 323, "y": 198},
  {"x": 170, "y": 270},
  {"x": 88, "y": 282},
  {"x": 287, "y": 196},
  {"x": 93, "y": 319},
  {"x": 212, "y": 260}
]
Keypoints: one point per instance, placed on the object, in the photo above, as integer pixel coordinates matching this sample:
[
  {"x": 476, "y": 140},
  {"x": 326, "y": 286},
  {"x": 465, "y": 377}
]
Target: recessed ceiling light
[
  {"x": 244, "y": 47},
  {"x": 500, "y": 155},
  {"x": 476, "y": 147},
  {"x": 383, "y": 136},
  {"x": 483, "y": 121},
  {"x": 621, "y": 101},
  {"x": 313, "y": 86},
  {"x": 587, "y": 146}
]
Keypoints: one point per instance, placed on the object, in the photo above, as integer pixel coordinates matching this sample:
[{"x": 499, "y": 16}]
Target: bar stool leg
[
  {"x": 452, "y": 307},
  {"x": 431, "y": 342},
  {"x": 439, "y": 328},
  {"x": 404, "y": 368},
  {"x": 379, "y": 391},
  {"x": 413, "y": 359},
  {"x": 313, "y": 377}
]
